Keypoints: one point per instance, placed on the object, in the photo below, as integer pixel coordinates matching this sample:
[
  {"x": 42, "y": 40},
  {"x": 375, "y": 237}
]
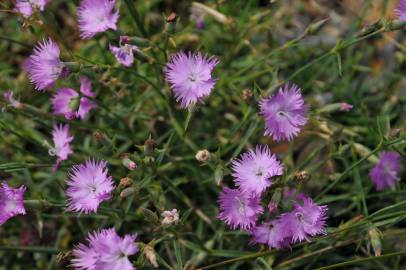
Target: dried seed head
[
  {"x": 202, "y": 155},
  {"x": 125, "y": 182},
  {"x": 151, "y": 255},
  {"x": 302, "y": 176},
  {"x": 127, "y": 192},
  {"x": 98, "y": 136},
  {"x": 149, "y": 146},
  {"x": 394, "y": 133},
  {"x": 247, "y": 94}
]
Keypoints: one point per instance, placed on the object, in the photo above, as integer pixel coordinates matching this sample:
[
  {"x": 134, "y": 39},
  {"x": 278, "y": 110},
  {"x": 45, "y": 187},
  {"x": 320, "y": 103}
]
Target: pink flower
[
  {"x": 27, "y": 7},
  {"x": 105, "y": 251},
  {"x": 96, "y": 16},
  {"x": 400, "y": 10},
  {"x": 190, "y": 77},
  {"x": 88, "y": 186},
  {"x": 385, "y": 174},
  {"x": 44, "y": 66},
  {"x": 8, "y": 96},
  {"x": 124, "y": 54},
  {"x": 69, "y": 103},
  {"x": 62, "y": 140},
  {"x": 239, "y": 209},
  {"x": 11, "y": 202},
  {"x": 284, "y": 113},
  {"x": 345, "y": 107},
  {"x": 254, "y": 169}
]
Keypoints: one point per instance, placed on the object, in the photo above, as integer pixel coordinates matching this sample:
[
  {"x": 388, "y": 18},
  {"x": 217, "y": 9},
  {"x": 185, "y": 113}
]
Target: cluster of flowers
[
  {"x": 190, "y": 78},
  {"x": 285, "y": 115}
]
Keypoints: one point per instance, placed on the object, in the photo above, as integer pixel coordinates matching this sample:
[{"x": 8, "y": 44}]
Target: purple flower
[
  {"x": 44, "y": 66},
  {"x": 8, "y": 96},
  {"x": 27, "y": 7},
  {"x": 254, "y": 169},
  {"x": 96, "y": 16},
  {"x": 345, "y": 107},
  {"x": 306, "y": 219},
  {"x": 105, "y": 251},
  {"x": 11, "y": 202},
  {"x": 400, "y": 10},
  {"x": 386, "y": 172},
  {"x": 190, "y": 77},
  {"x": 198, "y": 16},
  {"x": 284, "y": 113},
  {"x": 124, "y": 54},
  {"x": 270, "y": 233},
  {"x": 88, "y": 186},
  {"x": 69, "y": 103},
  {"x": 62, "y": 140},
  {"x": 239, "y": 209}
]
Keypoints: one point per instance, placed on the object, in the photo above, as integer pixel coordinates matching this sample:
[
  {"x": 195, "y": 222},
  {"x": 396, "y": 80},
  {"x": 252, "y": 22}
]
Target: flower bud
[
  {"x": 150, "y": 255},
  {"x": 202, "y": 155},
  {"x": 127, "y": 192},
  {"x": 98, "y": 136},
  {"x": 272, "y": 206},
  {"x": 171, "y": 22},
  {"x": 170, "y": 217},
  {"x": 394, "y": 133},
  {"x": 129, "y": 164},
  {"x": 149, "y": 146},
  {"x": 375, "y": 239}
]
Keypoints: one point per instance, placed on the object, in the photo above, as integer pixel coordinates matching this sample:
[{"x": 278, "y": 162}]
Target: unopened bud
[
  {"x": 345, "y": 107},
  {"x": 74, "y": 103},
  {"x": 375, "y": 239},
  {"x": 170, "y": 217},
  {"x": 125, "y": 182},
  {"x": 171, "y": 22},
  {"x": 127, "y": 192},
  {"x": 150, "y": 255},
  {"x": 302, "y": 176},
  {"x": 149, "y": 146},
  {"x": 272, "y": 206},
  {"x": 129, "y": 164},
  {"x": 316, "y": 27},
  {"x": 202, "y": 155}
]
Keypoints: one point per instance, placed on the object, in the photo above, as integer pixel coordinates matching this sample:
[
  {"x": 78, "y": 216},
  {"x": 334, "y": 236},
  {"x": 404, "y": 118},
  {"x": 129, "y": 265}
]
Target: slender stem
[
  {"x": 363, "y": 260},
  {"x": 40, "y": 249}
]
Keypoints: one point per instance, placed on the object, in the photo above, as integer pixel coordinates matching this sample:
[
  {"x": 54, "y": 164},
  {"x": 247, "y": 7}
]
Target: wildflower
[
  {"x": 270, "y": 233},
  {"x": 239, "y": 209},
  {"x": 305, "y": 220},
  {"x": 254, "y": 169},
  {"x": 11, "y": 202},
  {"x": 88, "y": 186},
  {"x": 62, "y": 140},
  {"x": 198, "y": 16},
  {"x": 105, "y": 251},
  {"x": 386, "y": 172},
  {"x": 345, "y": 107},
  {"x": 190, "y": 77},
  {"x": 284, "y": 113},
  {"x": 27, "y": 7},
  {"x": 202, "y": 155},
  {"x": 71, "y": 104},
  {"x": 170, "y": 217},
  {"x": 124, "y": 54},
  {"x": 400, "y": 10},
  {"x": 8, "y": 96},
  {"x": 44, "y": 66},
  {"x": 96, "y": 16}
]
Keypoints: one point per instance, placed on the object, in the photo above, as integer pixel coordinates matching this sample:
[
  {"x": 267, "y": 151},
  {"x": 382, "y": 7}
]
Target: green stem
[
  {"x": 39, "y": 249},
  {"x": 363, "y": 260}
]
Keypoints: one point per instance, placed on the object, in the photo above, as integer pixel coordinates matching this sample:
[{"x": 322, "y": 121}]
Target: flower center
[
  {"x": 259, "y": 172},
  {"x": 241, "y": 206},
  {"x": 10, "y": 205},
  {"x": 282, "y": 113},
  {"x": 192, "y": 77}
]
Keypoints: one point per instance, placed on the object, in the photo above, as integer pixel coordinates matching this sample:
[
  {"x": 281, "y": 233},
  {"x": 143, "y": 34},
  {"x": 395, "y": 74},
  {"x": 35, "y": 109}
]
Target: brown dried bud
[
  {"x": 394, "y": 133},
  {"x": 127, "y": 192},
  {"x": 149, "y": 146},
  {"x": 302, "y": 176},
  {"x": 151, "y": 255},
  {"x": 172, "y": 17},
  {"x": 202, "y": 155},
  {"x": 247, "y": 94},
  {"x": 98, "y": 136},
  {"x": 125, "y": 182}
]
